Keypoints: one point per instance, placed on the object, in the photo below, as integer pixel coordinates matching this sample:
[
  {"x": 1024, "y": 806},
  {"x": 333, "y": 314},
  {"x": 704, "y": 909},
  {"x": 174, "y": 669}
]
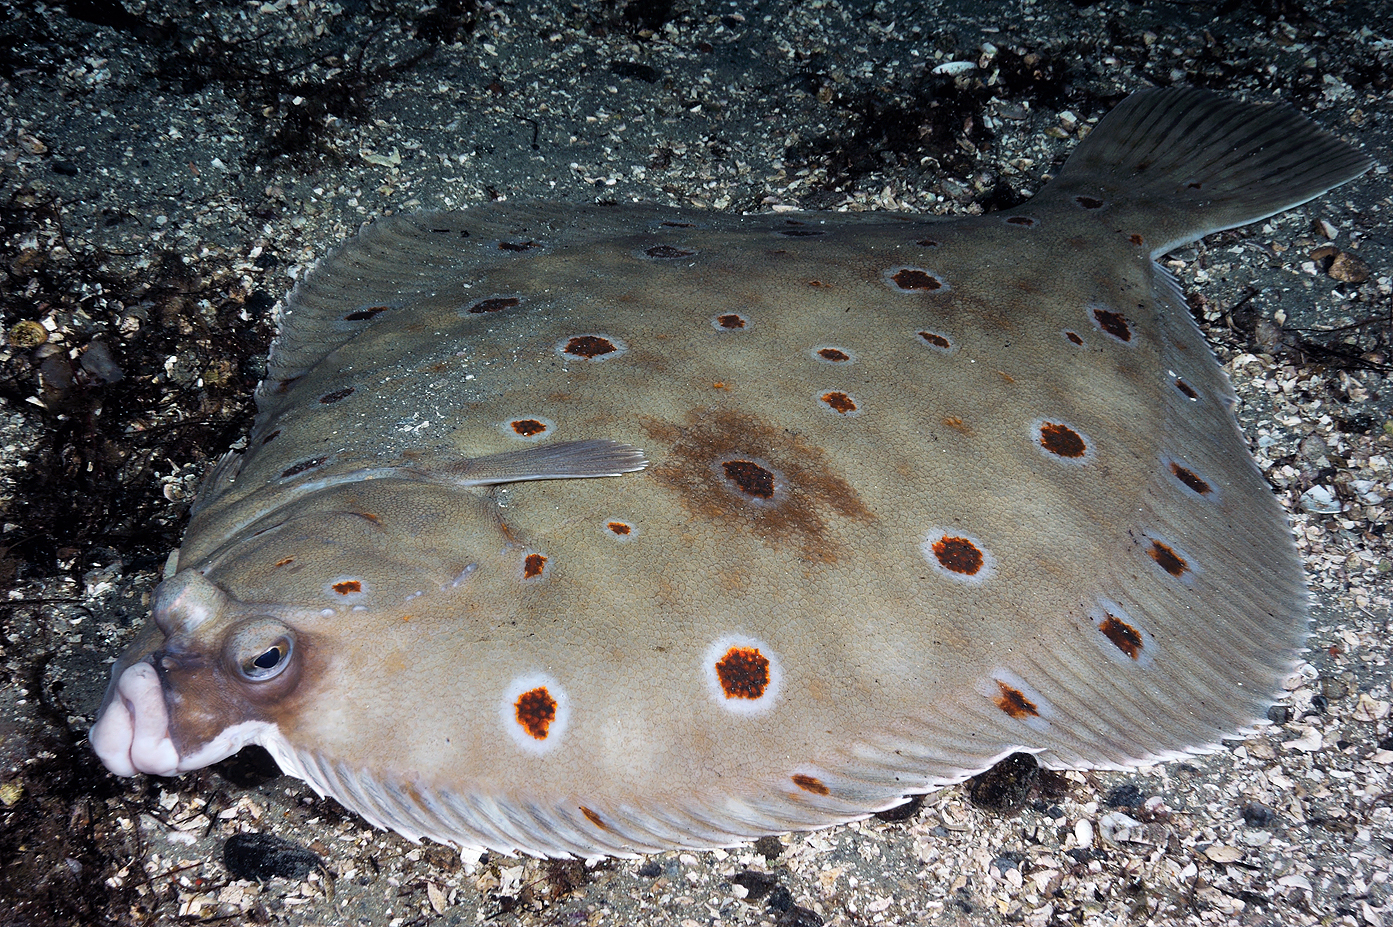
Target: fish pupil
[{"x": 268, "y": 660}]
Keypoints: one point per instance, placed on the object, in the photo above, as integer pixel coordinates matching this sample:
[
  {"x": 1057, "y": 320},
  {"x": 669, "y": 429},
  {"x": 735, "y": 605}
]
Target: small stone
[
  {"x": 27, "y": 334},
  {"x": 1347, "y": 268},
  {"x": 1220, "y": 853},
  {"x": 1256, "y": 814}
]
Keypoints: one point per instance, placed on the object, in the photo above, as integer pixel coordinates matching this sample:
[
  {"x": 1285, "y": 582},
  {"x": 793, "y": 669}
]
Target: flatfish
[{"x": 585, "y": 530}]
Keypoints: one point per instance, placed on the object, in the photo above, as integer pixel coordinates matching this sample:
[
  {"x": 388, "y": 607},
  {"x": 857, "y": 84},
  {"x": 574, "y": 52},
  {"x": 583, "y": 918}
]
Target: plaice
[{"x": 587, "y": 530}]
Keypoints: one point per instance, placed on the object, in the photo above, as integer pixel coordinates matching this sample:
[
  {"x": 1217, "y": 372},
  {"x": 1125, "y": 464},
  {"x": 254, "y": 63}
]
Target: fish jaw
[{"x": 132, "y": 735}]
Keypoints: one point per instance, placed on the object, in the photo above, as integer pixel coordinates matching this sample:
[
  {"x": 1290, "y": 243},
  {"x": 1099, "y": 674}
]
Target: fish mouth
[{"x": 132, "y": 733}]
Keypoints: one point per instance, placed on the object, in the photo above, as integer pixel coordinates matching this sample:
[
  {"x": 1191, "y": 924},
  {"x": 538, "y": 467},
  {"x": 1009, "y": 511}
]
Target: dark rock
[
  {"x": 1004, "y": 786},
  {"x": 259, "y": 857}
]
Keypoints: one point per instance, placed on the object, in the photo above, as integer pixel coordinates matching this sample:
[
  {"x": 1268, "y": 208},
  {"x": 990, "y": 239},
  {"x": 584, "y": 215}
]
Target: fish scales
[{"x": 609, "y": 529}]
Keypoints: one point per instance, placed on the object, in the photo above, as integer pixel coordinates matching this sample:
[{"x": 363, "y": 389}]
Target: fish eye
[{"x": 259, "y": 650}]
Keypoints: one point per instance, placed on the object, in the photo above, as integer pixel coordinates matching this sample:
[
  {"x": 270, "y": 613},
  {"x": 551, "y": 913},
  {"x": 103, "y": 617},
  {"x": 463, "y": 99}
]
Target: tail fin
[{"x": 1173, "y": 165}]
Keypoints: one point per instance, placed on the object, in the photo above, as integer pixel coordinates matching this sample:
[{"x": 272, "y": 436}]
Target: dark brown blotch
[
  {"x": 1014, "y": 703},
  {"x": 271, "y": 437},
  {"x": 329, "y": 399},
  {"x": 802, "y": 233},
  {"x": 348, "y": 586},
  {"x": 535, "y": 711},
  {"x": 731, "y": 321},
  {"x": 594, "y": 818},
  {"x": 1166, "y": 557},
  {"x": 927, "y": 243},
  {"x": 668, "y": 252},
  {"x": 533, "y": 565},
  {"x": 936, "y": 340},
  {"x": 814, "y": 495},
  {"x": 1074, "y": 338},
  {"x": 958, "y": 555},
  {"x": 302, "y": 467},
  {"x": 810, "y": 784},
  {"x": 589, "y": 346},
  {"x": 1089, "y": 202},
  {"x": 519, "y": 246},
  {"x": 1062, "y": 441},
  {"x": 362, "y": 315},
  {"x": 1023, "y": 221},
  {"x": 743, "y": 672},
  {"x": 494, "y": 304},
  {"x": 834, "y": 355},
  {"x": 1124, "y": 637},
  {"x": 912, "y": 278},
  {"x": 620, "y": 528},
  {"x": 1186, "y": 389},
  {"x": 1191, "y": 479},
  {"x": 1114, "y": 323}
]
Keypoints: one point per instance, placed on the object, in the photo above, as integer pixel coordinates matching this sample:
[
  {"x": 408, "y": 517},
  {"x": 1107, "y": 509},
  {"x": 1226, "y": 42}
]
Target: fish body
[{"x": 604, "y": 530}]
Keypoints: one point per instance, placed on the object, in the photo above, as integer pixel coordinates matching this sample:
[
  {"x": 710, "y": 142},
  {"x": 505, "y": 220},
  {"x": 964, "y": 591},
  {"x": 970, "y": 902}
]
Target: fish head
[{"x": 206, "y": 677}]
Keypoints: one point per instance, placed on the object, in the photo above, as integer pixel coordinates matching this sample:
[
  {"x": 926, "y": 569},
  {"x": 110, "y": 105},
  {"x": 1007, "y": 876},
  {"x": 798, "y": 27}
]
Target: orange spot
[
  {"x": 750, "y": 477},
  {"x": 1168, "y": 559},
  {"x": 912, "y": 278},
  {"x": 348, "y": 587},
  {"x": 833, "y": 354},
  {"x": 936, "y": 340},
  {"x": 719, "y": 385},
  {"x": 536, "y": 710},
  {"x": 730, "y": 320},
  {"x": 1006, "y": 376},
  {"x": 590, "y": 346},
  {"x": 1062, "y": 441},
  {"x": 840, "y": 402},
  {"x": 819, "y": 283},
  {"x": 618, "y": 527},
  {"x": 1074, "y": 337},
  {"x": 958, "y": 555},
  {"x": 743, "y": 672},
  {"x": 285, "y": 562},
  {"x": 1114, "y": 323},
  {"x": 406, "y": 617},
  {"x": 1123, "y": 635},
  {"x": 496, "y": 304},
  {"x": 1014, "y": 703},
  {"x": 1186, "y": 388},
  {"x": 1135, "y": 239},
  {"x": 668, "y": 251},
  {"x": 594, "y": 818},
  {"x": 532, "y": 566},
  {"x": 372, "y": 518},
  {"x": 1190, "y": 479},
  {"x": 527, "y": 427},
  {"x": 810, "y": 784},
  {"x": 957, "y": 424}
]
